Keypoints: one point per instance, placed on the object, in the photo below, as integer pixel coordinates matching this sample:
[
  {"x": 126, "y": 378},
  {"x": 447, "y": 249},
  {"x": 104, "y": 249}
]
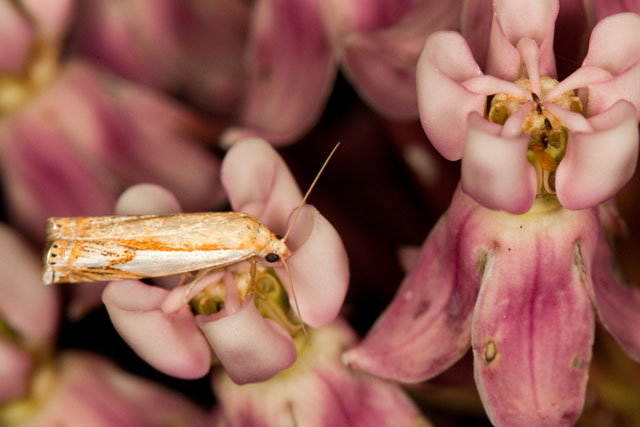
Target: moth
[{"x": 85, "y": 249}]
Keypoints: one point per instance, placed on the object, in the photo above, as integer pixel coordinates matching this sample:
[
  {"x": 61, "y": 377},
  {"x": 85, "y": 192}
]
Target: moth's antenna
[
  {"x": 295, "y": 299},
  {"x": 304, "y": 199}
]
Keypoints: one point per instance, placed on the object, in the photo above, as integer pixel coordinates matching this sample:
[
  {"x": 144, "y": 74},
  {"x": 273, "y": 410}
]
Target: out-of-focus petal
[
  {"x": 597, "y": 164},
  {"x": 514, "y": 20},
  {"x": 604, "y": 8},
  {"x": 15, "y": 366},
  {"x": 444, "y": 103},
  {"x": 319, "y": 268},
  {"x": 257, "y": 181},
  {"x": 250, "y": 347},
  {"x": 427, "y": 327},
  {"x": 530, "y": 370},
  {"x": 615, "y": 47},
  {"x": 93, "y": 392},
  {"x": 16, "y": 36},
  {"x": 52, "y": 16},
  {"x": 170, "y": 342},
  {"x": 495, "y": 170},
  {"x": 291, "y": 69},
  {"x": 382, "y": 64},
  {"x": 617, "y": 302},
  {"x": 26, "y": 305},
  {"x": 476, "y": 19},
  {"x": 147, "y": 199},
  {"x": 341, "y": 397}
]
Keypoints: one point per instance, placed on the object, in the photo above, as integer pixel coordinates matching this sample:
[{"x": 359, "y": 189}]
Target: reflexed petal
[
  {"x": 427, "y": 326},
  {"x": 617, "y": 302},
  {"x": 364, "y": 15},
  {"x": 533, "y": 324},
  {"x": 291, "y": 70},
  {"x": 257, "y": 181},
  {"x": 170, "y": 342},
  {"x": 250, "y": 347},
  {"x": 147, "y": 199},
  {"x": 615, "y": 47},
  {"x": 444, "y": 103},
  {"x": 318, "y": 391},
  {"x": 382, "y": 64},
  {"x": 611, "y": 150},
  {"x": 93, "y": 392},
  {"x": 16, "y": 36},
  {"x": 15, "y": 367},
  {"x": 26, "y": 305},
  {"x": 495, "y": 170},
  {"x": 319, "y": 268},
  {"x": 514, "y": 20}
]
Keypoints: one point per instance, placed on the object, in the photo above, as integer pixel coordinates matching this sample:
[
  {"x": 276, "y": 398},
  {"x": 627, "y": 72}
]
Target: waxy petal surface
[
  {"x": 514, "y": 20},
  {"x": 250, "y": 347},
  {"x": 147, "y": 199},
  {"x": 615, "y": 47},
  {"x": 291, "y": 70},
  {"x": 495, "y": 170},
  {"x": 444, "y": 103},
  {"x": 617, "y": 302},
  {"x": 427, "y": 327},
  {"x": 597, "y": 164},
  {"x": 170, "y": 342},
  {"x": 319, "y": 268},
  {"x": 257, "y": 181},
  {"x": 533, "y": 324}
]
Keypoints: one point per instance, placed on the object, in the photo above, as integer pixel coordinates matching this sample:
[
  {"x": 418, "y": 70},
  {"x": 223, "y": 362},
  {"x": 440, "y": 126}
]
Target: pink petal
[
  {"x": 168, "y": 341},
  {"x": 257, "y": 181},
  {"x": 475, "y": 24},
  {"x": 428, "y": 324},
  {"x": 91, "y": 391},
  {"x": 533, "y": 325},
  {"x": 615, "y": 47},
  {"x": 514, "y": 20},
  {"x": 382, "y": 64},
  {"x": 596, "y": 165},
  {"x": 604, "y": 8},
  {"x": 26, "y": 305},
  {"x": 340, "y": 397},
  {"x": 15, "y": 367},
  {"x": 250, "y": 347},
  {"x": 291, "y": 70},
  {"x": 346, "y": 16},
  {"x": 617, "y": 302},
  {"x": 495, "y": 170},
  {"x": 444, "y": 103},
  {"x": 16, "y": 36},
  {"x": 319, "y": 268},
  {"x": 52, "y": 16},
  {"x": 147, "y": 199}
]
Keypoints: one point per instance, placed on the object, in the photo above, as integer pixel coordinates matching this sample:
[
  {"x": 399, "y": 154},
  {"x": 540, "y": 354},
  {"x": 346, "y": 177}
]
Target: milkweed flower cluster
[{"x": 518, "y": 266}]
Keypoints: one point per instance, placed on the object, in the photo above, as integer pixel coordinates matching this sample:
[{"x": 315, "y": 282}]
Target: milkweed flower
[
  {"x": 518, "y": 267},
  {"x": 248, "y": 325},
  {"x": 318, "y": 390}
]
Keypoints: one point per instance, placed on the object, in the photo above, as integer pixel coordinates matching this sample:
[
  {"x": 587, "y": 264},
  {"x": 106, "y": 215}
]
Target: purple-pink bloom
[
  {"x": 317, "y": 391},
  {"x": 248, "y": 329},
  {"x": 523, "y": 290}
]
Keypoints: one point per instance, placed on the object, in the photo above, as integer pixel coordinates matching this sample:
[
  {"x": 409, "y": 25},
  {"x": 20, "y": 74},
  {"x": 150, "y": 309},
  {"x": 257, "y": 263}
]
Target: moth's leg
[
  {"x": 196, "y": 278},
  {"x": 252, "y": 273},
  {"x": 189, "y": 275}
]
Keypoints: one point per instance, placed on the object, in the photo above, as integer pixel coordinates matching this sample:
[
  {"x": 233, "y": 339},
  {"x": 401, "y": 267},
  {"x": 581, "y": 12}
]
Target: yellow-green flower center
[{"x": 548, "y": 136}]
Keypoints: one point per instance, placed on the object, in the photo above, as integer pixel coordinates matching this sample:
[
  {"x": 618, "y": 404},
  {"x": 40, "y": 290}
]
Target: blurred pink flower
[
  {"x": 523, "y": 290},
  {"x": 165, "y": 332},
  {"x": 72, "y": 136},
  {"x": 535, "y": 110},
  {"x": 318, "y": 390}
]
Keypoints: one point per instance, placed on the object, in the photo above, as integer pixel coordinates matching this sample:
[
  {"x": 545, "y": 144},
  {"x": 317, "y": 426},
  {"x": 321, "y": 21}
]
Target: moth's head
[{"x": 276, "y": 251}]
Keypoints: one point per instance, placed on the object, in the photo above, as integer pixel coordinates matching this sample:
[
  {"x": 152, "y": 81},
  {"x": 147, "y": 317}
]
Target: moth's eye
[{"x": 272, "y": 257}]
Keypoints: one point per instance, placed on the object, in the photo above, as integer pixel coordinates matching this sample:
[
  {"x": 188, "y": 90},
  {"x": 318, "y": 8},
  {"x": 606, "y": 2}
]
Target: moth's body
[{"x": 83, "y": 249}]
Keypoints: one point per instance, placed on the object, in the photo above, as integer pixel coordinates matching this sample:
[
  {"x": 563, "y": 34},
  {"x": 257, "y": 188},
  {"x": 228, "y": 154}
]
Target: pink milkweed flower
[
  {"x": 249, "y": 329},
  {"x": 73, "y": 136},
  {"x": 523, "y": 290},
  {"x": 317, "y": 391}
]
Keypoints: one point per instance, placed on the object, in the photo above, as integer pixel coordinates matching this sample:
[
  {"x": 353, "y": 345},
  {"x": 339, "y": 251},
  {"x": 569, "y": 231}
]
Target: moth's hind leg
[{"x": 195, "y": 278}]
